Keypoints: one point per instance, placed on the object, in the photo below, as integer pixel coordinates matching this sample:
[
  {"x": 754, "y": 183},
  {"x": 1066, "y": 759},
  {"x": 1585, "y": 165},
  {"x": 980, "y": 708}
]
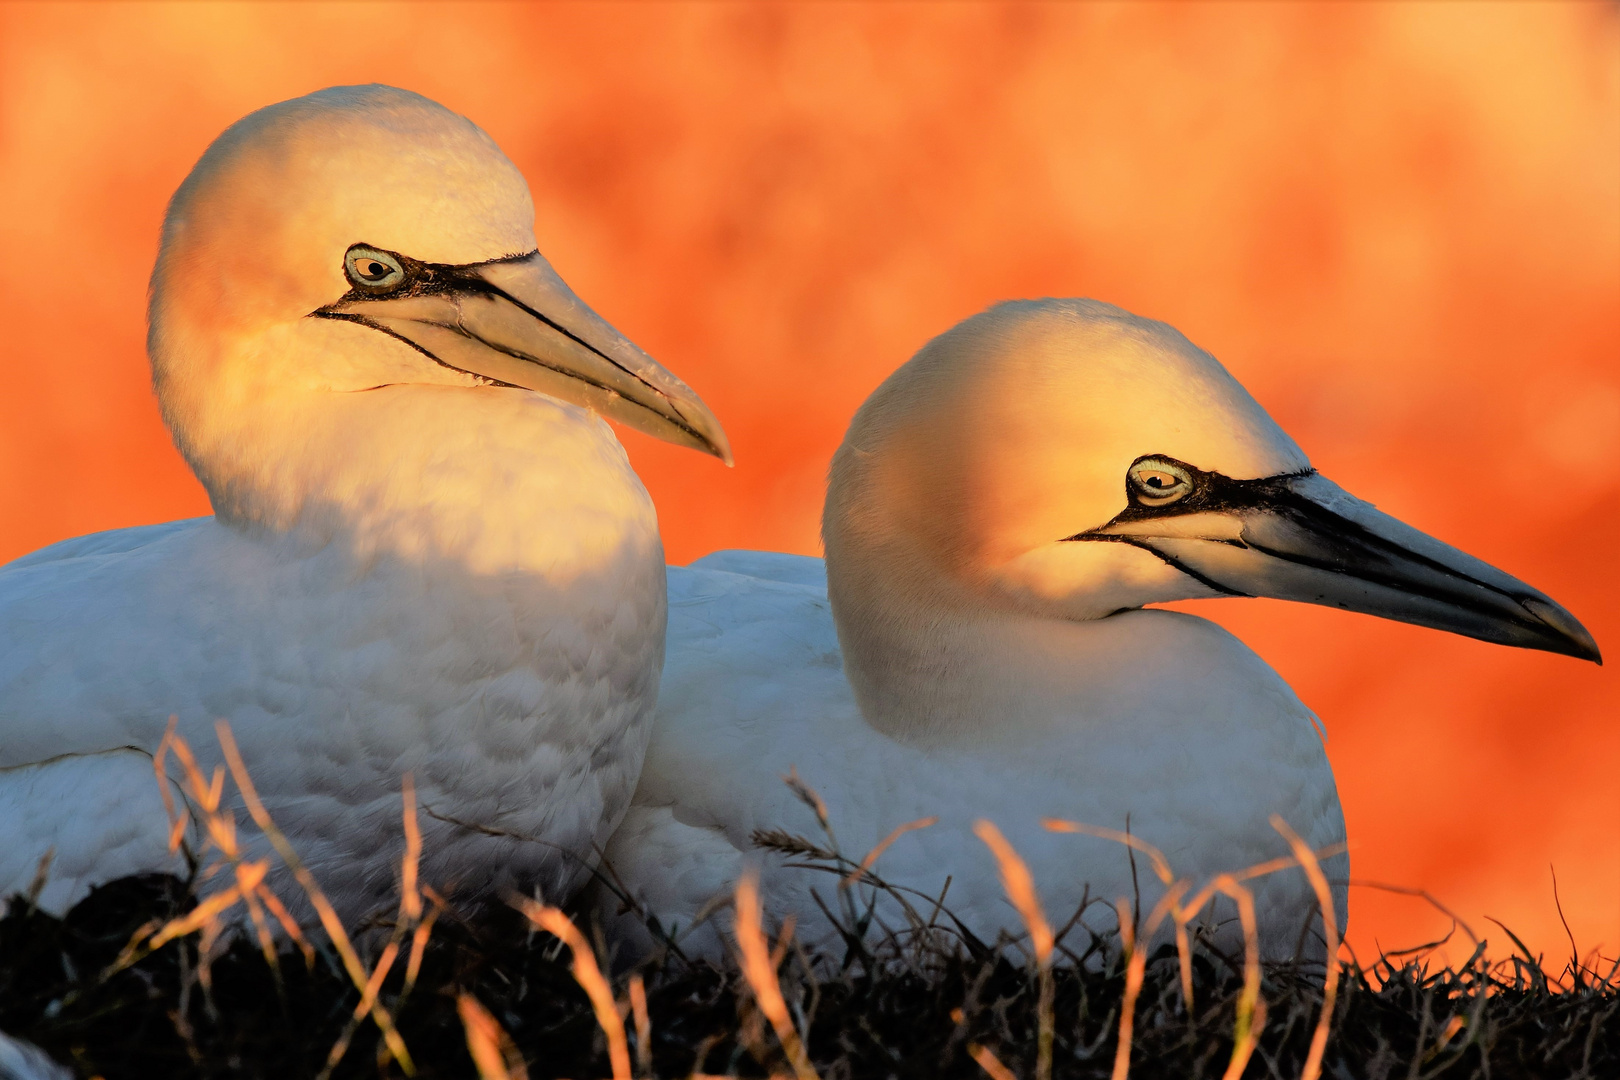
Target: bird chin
[{"x": 1083, "y": 581}]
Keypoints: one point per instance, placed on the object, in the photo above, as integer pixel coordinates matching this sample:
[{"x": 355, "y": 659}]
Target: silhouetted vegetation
[
  {"x": 862, "y": 1015},
  {"x": 151, "y": 976}
]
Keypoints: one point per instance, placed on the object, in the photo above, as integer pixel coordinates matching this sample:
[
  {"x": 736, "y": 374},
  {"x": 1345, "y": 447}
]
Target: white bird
[
  {"x": 1001, "y": 510},
  {"x": 429, "y": 553},
  {"x": 21, "y": 1060}
]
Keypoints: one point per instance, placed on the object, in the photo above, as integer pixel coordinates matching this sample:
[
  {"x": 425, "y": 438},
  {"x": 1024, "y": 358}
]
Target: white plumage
[
  {"x": 999, "y": 513},
  {"x": 418, "y": 563},
  {"x": 21, "y": 1060}
]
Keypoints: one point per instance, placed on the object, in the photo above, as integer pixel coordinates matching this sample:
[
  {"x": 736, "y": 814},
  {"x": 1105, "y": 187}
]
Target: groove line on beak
[
  {"x": 344, "y": 316},
  {"x": 1301, "y": 520},
  {"x": 372, "y": 324},
  {"x": 1299, "y": 512},
  {"x": 489, "y": 320},
  {"x": 491, "y": 287},
  {"x": 431, "y": 279}
]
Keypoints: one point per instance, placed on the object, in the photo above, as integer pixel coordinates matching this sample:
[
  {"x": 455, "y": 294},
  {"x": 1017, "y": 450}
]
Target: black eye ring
[
  {"x": 1157, "y": 481},
  {"x": 373, "y": 270}
]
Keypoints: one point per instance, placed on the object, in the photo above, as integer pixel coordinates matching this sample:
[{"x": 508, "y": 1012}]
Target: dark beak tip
[
  {"x": 1588, "y": 648},
  {"x": 1573, "y": 639},
  {"x": 1579, "y": 650}
]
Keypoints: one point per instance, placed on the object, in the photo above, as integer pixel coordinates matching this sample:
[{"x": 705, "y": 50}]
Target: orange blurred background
[{"x": 1399, "y": 225}]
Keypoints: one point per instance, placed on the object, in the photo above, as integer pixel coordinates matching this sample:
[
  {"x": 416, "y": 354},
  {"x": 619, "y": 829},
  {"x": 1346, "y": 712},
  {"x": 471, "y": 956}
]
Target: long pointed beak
[
  {"x": 1303, "y": 537},
  {"x": 515, "y": 322}
]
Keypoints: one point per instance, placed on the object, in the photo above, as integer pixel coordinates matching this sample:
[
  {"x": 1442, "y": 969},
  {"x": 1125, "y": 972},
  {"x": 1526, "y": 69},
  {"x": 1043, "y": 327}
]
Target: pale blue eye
[
  {"x": 371, "y": 269},
  {"x": 1157, "y": 482}
]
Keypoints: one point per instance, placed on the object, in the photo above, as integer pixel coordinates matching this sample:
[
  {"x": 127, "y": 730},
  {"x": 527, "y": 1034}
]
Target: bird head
[
  {"x": 1068, "y": 459},
  {"x": 361, "y": 238}
]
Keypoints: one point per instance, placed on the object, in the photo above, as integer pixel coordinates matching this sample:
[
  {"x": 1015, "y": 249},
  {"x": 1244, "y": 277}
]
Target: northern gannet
[
  {"x": 429, "y": 553},
  {"x": 978, "y": 645}
]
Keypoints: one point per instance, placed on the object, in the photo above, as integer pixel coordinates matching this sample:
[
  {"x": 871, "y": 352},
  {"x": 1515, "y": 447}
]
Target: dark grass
[{"x": 864, "y": 1019}]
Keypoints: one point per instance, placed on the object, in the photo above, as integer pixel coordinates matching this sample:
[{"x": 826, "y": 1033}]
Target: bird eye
[
  {"x": 373, "y": 270},
  {"x": 1157, "y": 482}
]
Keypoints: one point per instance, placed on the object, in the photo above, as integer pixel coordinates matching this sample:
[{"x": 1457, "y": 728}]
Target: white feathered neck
[{"x": 491, "y": 479}]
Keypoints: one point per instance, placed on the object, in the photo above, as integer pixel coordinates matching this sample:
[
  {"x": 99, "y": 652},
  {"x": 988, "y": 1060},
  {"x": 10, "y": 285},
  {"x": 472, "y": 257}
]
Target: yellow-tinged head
[
  {"x": 1065, "y": 459},
  {"x": 361, "y": 238}
]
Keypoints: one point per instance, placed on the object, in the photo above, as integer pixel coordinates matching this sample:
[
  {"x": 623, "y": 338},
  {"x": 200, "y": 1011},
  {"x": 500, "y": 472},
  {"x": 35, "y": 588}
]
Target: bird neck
[
  {"x": 489, "y": 480},
  {"x": 937, "y": 663}
]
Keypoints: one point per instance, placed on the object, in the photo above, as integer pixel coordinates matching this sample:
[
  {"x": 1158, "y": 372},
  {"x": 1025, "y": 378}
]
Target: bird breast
[{"x": 485, "y": 610}]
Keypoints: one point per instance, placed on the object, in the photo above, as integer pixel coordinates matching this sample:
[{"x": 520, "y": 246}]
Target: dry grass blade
[
  {"x": 1184, "y": 961},
  {"x": 760, "y": 972},
  {"x": 42, "y": 876},
  {"x": 1161, "y": 869},
  {"x": 1251, "y": 1011},
  {"x": 810, "y": 797},
  {"x": 261, "y": 928},
  {"x": 220, "y": 829},
  {"x": 1136, "y": 952},
  {"x": 883, "y": 845},
  {"x": 1449, "y": 1032},
  {"x": 788, "y": 844},
  {"x": 221, "y": 833},
  {"x": 1020, "y": 887},
  {"x": 419, "y": 942},
  {"x": 177, "y": 821},
  {"x": 493, "y": 1053},
  {"x": 385, "y": 962},
  {"x": 288, "y": 925},
  {"x": 1330, "y": 937},
  {"x": 410, "y": 891},
  {"x": 989, "y": 1062},
  {"x": 410, "y": 897},
  {"x": 1161, "y": 866},
  {"x": 638, "y": 1010},
  {"x": 317, "y": 898},
  {"x": 589, "y": 977},
  {"x": 1133, "y": 987},
  {"x": 200, "y": 916}
]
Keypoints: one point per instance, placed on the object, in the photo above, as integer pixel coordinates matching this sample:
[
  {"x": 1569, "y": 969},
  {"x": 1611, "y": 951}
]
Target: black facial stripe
[
  {"x": 433, "y": 279},
  {"x": 345, "y": 316},
  {"x": 349, "y": 316},
  {"x": 1355, "y": 543},
  {"x": 429, "y": 279},
  {"x": 1212, "y": 493},
  {"x": 1171, "y": 561}
]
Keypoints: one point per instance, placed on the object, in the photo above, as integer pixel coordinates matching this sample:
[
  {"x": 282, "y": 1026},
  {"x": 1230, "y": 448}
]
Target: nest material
[{"x": 925, "y": 1017}]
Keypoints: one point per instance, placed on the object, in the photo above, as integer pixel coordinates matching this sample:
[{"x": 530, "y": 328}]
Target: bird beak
[
  {"x": 514, "y": 321},
  {"x": 1302, "y": 537}
]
